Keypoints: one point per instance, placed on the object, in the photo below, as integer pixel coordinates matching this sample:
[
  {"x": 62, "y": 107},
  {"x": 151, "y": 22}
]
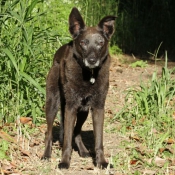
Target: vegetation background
[{"x": 32, "y": 30}]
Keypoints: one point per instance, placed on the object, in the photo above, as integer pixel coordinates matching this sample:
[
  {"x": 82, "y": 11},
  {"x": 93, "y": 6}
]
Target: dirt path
[{"x": 26, "y": 158}]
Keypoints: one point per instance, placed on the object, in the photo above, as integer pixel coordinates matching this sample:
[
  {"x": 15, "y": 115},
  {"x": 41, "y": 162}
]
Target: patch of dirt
[{"x": 25, "y": 155}]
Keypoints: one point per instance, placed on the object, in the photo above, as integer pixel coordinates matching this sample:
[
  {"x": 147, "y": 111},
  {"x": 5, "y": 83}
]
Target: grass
[
  {"x": 28, "y": 39},
  {"x": 4, "y": 146},
  {"x": 148, "y": 121},
  {"x": 142, "y": 144},
  {"x": 139, "y": 63}
]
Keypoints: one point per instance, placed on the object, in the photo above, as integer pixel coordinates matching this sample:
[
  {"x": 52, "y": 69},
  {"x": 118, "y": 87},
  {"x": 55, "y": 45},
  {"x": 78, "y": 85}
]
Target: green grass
[
  {"x": 4, "y": 146},
  {"x": 30, "y": 34},
  {"x": 147, "y": 119},
  {"x": 139, "y": 63}
]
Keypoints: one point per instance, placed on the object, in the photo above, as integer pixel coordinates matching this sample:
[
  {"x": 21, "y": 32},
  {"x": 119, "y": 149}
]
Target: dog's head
[{"x": 90, "y": 43}]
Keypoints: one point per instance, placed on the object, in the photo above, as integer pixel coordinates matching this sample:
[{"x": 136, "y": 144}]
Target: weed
[
  {"x": 148, "y": 117},
  {"x": 4, "y": 146},
  {"x": 139, "y": 63},
  {"x": 115, "y": 50},
  {"x": 28, "y": 38}
]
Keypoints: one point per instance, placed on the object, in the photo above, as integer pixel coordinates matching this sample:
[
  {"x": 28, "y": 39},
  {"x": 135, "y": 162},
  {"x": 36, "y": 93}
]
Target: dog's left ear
[
  {"x": 76, "y": 23},
  {"x": 106, "y": 25}
]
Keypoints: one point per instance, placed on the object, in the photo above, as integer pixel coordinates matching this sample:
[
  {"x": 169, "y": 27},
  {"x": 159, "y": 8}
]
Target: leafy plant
[
  {"x": 115, "y": 50},
  {"x": 139, "y": 63},
  {"x": 149, "y": 109},
  {"x": 4, "y": 146},
  {"x": 28, "y": 39}
]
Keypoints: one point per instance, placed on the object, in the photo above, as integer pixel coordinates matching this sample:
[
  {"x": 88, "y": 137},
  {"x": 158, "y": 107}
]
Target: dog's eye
[
  {"x": 83, "y": 42},
  {"x": 101, "y": 43}
]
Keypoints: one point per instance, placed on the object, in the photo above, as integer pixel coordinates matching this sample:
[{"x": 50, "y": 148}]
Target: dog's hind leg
[
  {"x": 81, "y": 117},
  {"x": 52, "y": 104},
  {"x": 61, "y": 134}
]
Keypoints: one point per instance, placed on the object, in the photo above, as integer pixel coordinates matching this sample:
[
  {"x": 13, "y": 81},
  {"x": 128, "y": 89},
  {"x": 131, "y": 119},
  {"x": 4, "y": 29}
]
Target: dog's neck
[
  {"x": 90, "y": 75},
  {"x": 92, "y": 79},
  {"x": 86, "y": 70}
]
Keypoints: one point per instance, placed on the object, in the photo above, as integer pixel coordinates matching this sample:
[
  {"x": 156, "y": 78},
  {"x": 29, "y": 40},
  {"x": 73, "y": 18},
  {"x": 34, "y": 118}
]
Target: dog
[{"x": 78, "y": 82}]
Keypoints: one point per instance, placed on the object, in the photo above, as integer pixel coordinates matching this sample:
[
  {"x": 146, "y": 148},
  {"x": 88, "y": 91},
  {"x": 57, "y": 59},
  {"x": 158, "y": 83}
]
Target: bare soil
[{"x": 26, "y": 153}]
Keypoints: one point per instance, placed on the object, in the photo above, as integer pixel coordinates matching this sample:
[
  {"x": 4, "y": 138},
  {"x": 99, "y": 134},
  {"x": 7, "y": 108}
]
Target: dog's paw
[
  {"x": 45, "y": 157},
  {"x": 63, "y": 165},
  {"x": 102, "y": 164},
  {"x": 84, "y": 154}
]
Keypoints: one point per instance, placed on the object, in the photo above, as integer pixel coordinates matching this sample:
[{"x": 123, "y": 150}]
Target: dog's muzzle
[{"x": 91, "y": 62}]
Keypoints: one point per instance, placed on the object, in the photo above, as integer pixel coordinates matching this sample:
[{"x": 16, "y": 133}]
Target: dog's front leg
[
  {"x": 98, "y": 120},
  {"x": 69, "y": 121}
]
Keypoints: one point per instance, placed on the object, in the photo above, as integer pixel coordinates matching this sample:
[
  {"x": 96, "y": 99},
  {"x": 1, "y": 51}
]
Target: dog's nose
[{"x": 92, "y": 60}]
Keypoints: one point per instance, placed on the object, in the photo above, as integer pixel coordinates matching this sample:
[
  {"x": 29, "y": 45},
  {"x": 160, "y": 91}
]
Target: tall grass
[
  {"x": 94, "y": 11},
  {"x": 149, "y": 108},
  {"x": 30, "y": 33}
]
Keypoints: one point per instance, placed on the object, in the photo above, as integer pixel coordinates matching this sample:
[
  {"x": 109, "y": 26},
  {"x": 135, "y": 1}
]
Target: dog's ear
[
  {"x": 76, "y": 23},
  {"x": 106, "y": 25}
]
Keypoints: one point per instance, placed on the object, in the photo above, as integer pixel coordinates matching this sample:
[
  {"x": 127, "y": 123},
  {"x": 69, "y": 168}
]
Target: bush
[{"x": 30, "y": 32}]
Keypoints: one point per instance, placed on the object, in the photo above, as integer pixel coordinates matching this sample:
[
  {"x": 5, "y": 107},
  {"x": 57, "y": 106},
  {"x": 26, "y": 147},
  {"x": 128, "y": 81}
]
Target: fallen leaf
[
  {"x": 141, "y": 149},
  {"x": 7, "y": 137},
  {"x": 168, "y": 148},
  {"x": 150, "y": 172},
  {"x": 169, "y": 141},
  {"x": 159, "y": 161},
  {"x": 133, "y": 162},
  {"x": 7, "y": 167},
  {"x": 134, "y": 137},
  {"x": 162, "y": 150},
  {"x": 25, "y": 153},
  {"x": 25, "y": 120},
  {"x": 34, "y": 143}
]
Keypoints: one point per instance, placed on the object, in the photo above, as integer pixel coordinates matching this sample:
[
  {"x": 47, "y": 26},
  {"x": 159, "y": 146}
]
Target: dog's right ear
[{"x": 76, "y": 23}]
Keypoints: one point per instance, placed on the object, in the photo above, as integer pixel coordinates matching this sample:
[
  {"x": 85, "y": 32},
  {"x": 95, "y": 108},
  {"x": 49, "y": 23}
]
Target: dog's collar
[{"x": 92, "y": 79}]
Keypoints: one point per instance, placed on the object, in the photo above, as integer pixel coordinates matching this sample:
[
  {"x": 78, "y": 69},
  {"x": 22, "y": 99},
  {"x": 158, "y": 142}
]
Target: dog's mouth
[{"x": 91, "y": 63}]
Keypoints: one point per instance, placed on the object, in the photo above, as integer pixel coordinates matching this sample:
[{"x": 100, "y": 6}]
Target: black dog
[{"x": 78, "y": 81}]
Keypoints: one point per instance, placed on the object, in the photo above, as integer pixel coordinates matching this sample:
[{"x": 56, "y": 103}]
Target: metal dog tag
[{"x": 92, "y": 80}]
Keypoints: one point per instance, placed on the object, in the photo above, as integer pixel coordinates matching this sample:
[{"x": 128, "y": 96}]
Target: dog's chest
[
  {"x": 81, "y": 94},
  {"x": 79, "y": 91}
]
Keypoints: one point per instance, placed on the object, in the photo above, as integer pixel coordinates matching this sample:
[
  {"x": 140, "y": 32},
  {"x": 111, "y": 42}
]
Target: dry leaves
[
  {"x": 169, "y": 141},
  {"x": 7, "y": 137},
  {"x": 135, "y": 137},
  {"x": 159, "y": 161},
  {"x": 26, "y": 120}
]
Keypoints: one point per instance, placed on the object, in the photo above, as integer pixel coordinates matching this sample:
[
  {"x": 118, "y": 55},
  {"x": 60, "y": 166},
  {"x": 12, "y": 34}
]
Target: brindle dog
[{"x": 78, "y": 82}]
